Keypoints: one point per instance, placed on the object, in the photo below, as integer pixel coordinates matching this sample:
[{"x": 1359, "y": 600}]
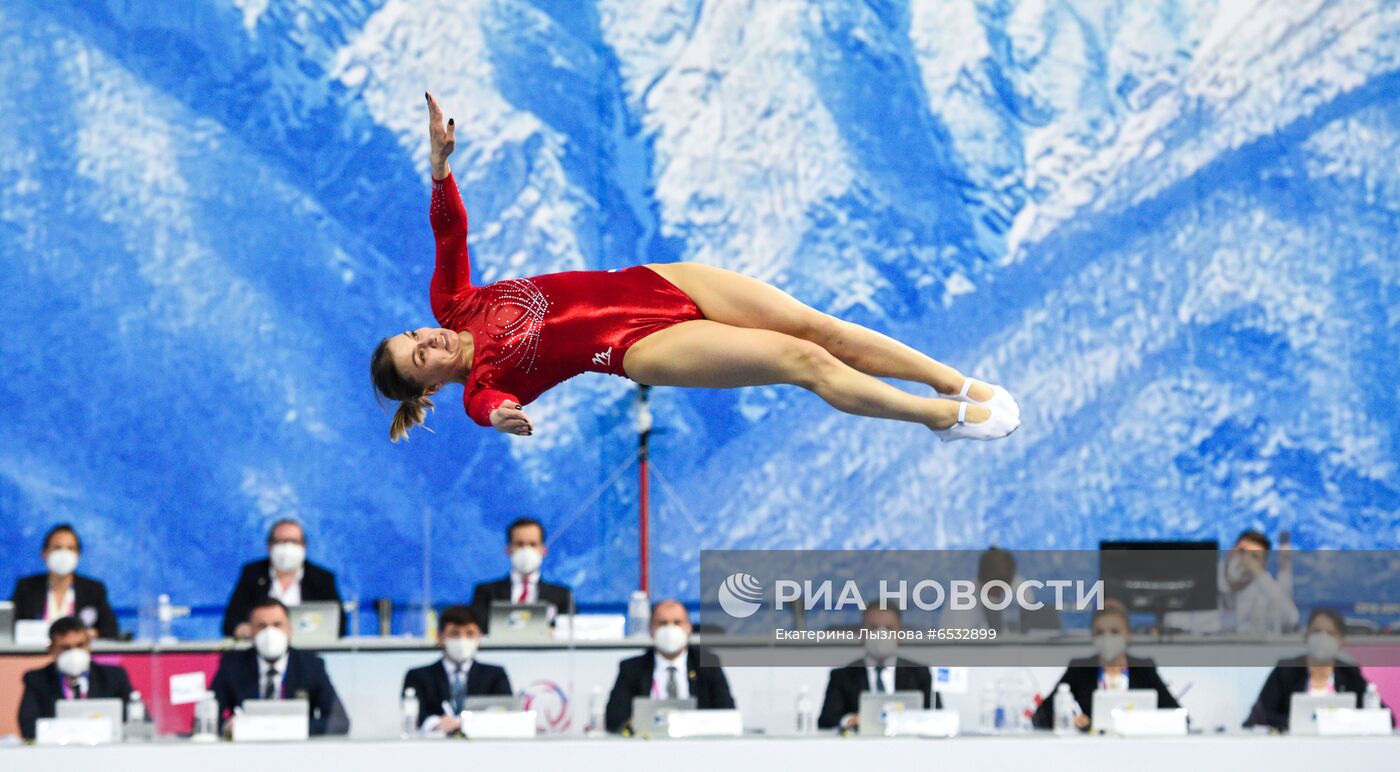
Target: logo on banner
[{"x": 740, "y": 595}]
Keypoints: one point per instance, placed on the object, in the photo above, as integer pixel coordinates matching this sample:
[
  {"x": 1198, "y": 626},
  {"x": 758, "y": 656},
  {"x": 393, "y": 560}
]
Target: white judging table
[{"x": 1038, "y": 752}]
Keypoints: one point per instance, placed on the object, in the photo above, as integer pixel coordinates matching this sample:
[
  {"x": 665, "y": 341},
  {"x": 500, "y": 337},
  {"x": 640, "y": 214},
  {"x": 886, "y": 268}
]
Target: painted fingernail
[
  {"x": 425, "y": 95},
  {"x": 450, "y": 122}
]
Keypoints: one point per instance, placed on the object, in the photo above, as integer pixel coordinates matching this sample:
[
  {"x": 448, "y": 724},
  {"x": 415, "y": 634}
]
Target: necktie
[
  {"x": 673, "y": 689},
  {"x": 459, "y": 690},
  {"x": 880, "y": 679},
  {"x": 524, "y": 589},
  {"x": 75, "y": 686},
  {"x": 270, "y": 685}
]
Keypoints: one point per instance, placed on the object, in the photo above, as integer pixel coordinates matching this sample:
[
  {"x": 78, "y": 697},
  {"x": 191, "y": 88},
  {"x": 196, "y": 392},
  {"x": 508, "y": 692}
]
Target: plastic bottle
[
  {"x": 987, "y": 709},
  {"x": 597, "y": 712},
  {"x": 806, "y": 715},
  {"x": 1372, "y": 699},
  {"x": 408, "y": 710},
  {"x": 638, "y": 614},
  {"x": 165, "y": 617},
  {"x": 206, "y": 719},
  {"x": 1064, "y": 711}
]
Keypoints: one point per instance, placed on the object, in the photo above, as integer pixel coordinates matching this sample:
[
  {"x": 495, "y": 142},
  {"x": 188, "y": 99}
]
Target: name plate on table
[
  {"x": 257, "y": 729},
  {"x": 922, "y": 723},
  {"x": 1352, "y": 722},
  {"x": 498, "y": 724},
  {"x": 73, "y": 731},
  {"x": 32, "y": 632},
  {"x": 705, "y": 723},
  {"x": 1161, "y": 722}
]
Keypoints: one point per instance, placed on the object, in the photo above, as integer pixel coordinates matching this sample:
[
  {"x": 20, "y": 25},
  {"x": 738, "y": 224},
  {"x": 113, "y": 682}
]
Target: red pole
[{"x": 644, "y": 428}]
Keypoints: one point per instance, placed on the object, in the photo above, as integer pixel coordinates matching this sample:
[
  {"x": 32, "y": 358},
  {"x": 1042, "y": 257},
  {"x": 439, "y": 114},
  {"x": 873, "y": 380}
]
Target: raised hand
[
  {"x": 442, "y": 138},
  {"x": 509, "y": 418}
]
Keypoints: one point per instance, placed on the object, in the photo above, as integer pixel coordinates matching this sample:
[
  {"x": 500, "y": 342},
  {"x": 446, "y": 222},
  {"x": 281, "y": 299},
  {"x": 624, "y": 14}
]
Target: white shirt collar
[
  {"x": 451, "y": 668},
  {"x": 280, "y": 665},
  {"x": 516, "y": 577}
]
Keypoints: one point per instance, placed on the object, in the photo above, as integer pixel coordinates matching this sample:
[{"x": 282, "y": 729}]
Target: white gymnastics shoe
[
  {"x": 1001, "y": 398},
  {"x": 998, "y": 425}
]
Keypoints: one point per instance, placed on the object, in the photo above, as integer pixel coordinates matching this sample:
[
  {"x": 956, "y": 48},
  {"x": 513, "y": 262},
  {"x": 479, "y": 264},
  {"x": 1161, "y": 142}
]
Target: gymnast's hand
[
  {"x": 442, "y": 139},
  {"x": 509, "y": 418}
]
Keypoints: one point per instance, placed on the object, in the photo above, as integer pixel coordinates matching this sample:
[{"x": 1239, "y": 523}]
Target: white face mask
[
  {"x": 882, "y": 648},
  {"x": 62, "y": 562},
  {"x": 460, "y": 650},
  {"x": 74, "y": 662},
  {"x": 670, "y": 639},
  {"x": 271, "y": 643},
  {"x": 1110, "y": 647},
  {"x": 1323, "y": 647},
  {"x": 287, "y": 556},
  {"x": 526, "y": 560}
]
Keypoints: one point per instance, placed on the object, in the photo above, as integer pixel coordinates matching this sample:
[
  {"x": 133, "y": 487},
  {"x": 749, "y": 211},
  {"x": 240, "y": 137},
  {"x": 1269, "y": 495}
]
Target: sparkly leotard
[{"x": 533, "y": 334}]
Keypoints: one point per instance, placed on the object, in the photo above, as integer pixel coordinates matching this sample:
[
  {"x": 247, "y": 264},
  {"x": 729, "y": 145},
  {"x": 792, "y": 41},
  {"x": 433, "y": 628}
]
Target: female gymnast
[{"x": 677, "y": 324}]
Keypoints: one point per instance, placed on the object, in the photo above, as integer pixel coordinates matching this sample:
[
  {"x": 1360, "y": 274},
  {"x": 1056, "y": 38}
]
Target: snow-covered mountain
[{"x": 1168, "y": 227}]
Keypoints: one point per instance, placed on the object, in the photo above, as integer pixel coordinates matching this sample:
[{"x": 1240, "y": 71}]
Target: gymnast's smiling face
[{"x": 431, "y": 356}]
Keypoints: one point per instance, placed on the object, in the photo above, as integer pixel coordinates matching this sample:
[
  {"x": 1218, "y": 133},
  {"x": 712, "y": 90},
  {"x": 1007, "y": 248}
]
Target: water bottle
[
  {"x": 1064, "y": 711},
  {"x": 987, "y": 708},
  {"x": 597, "y": 713},
  {"x": 165, "y": 617},
  {"x": 1003, "y": 703},
  {"x": 408, "y": 708},
  {"x": 1372, "y": 699},
  {"x": 206, "y": 719},
  {"x": 806, "y": 715},
  {"x": 638, "y": 614}
]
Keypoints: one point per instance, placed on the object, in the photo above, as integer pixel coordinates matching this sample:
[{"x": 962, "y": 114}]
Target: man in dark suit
[
  {"x": 72, "y": 675},
  {"x": 448, "y": 682},
  {"x": 669, "y": 669},
  {"x": 60, "y": 591},
  {"x": 881, "y": 670},
  {"x": 526, "y": 548},
  {"x": 284, "y": 575},
  {"x": 273, "y": 670}
]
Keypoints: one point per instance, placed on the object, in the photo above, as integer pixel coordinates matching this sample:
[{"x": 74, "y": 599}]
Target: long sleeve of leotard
[
  {"x": 452, "y": 273},
  {"x": 484, "y": 402}
]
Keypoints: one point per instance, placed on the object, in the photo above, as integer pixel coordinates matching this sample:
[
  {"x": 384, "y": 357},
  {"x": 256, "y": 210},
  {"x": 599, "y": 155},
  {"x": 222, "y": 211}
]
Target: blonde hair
[{"x": 410, "y": 413}]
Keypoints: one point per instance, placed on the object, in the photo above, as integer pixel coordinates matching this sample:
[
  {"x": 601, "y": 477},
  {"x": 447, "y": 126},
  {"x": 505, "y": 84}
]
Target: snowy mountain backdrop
[{"x": 1168, "y": 227}]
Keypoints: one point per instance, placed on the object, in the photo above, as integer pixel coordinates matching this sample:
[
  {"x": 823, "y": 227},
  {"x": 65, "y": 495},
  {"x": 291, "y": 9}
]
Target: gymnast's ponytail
[{"x": 389, "y": 383}]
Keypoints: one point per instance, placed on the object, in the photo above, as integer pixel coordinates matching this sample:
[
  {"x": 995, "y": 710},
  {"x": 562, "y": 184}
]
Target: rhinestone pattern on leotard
[{"x": 515, "y": 315}]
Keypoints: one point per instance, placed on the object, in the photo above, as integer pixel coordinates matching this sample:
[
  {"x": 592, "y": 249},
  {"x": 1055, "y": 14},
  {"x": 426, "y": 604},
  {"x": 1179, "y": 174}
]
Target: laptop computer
[
  {"x": 7, "y": 622},
  {"x": 499, "y": 702},
  {"x": 109, "y": 709},
  {"x": 1303, "y": 709},
  {"x": 1105, "y": 702},
  {"x": 315, "y": 623},
  {"x": 515, "y": 622},
  {"x": 649, "y": 716},
  {"x": 875, "y": 706}
]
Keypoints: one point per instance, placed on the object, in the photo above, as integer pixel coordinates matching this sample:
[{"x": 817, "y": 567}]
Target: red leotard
[{"x": 533, "y": 334}]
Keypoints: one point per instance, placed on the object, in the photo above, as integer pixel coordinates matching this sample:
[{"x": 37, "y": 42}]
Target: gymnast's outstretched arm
[{"x": 452, "y": 273}]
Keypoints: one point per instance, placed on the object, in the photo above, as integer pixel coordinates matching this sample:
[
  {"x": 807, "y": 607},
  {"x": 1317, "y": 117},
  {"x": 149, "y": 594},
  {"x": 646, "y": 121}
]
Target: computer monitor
[{"x": 1161, "y": 576}]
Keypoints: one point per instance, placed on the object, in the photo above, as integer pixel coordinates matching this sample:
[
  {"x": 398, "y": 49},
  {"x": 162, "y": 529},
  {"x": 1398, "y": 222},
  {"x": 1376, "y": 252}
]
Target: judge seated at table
[
  {"x": 670, "y": 669},
  {"x": 527, "y": 550},
  {"x": 1317, "y": 672},
  {"x": 284, "y": 575},
  {"x": 72, "y": 675},
  {"x": 60, "y": 592},
  {"x": 458, "y": 675},
  {"x": 1111, "y": 669},
  {"x": 273, "y": 670},
  {"x": 881, "y": 670}
]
